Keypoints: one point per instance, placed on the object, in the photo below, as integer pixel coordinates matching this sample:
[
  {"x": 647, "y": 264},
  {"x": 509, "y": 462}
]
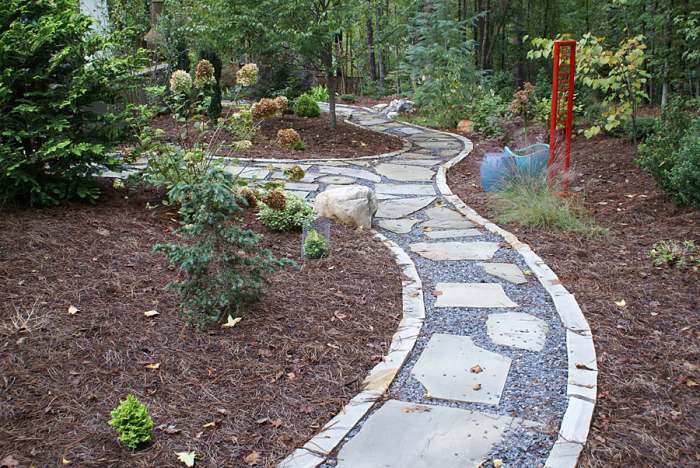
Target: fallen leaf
[
  {"x": 583, "y": 366},
  {"x": 231, "y": 322},
  {"x": 262, "y": 420},
  {"x": 437, "y": 293},
  {"x": 72, "y": 310},
  {"x": 621, "y": 303},
  {"x": 477, "y": 387},
  {"x": 497, "y": 463},
  {"x": 151, "y": 313},
  {"x": 276, "y": 423},
  {"x": 168, "y": 429},
  {"x": 65, "y": 461},
  {"x": 252, "y": 458},
  {"x": 153, "y": 365},
  {"x": 340, "y": 316},
  {"x": 9, "y": 462},
  {"x": 416, "y": 409},
  {"x": 210, "y": 424},
  {"x": 476, "y": 369},
  {"x": 222, "y": 410},
  {"x": 690, "y": 383},
  {"x": 186, "y": 457},
  {"x": 103, "y": 232}
]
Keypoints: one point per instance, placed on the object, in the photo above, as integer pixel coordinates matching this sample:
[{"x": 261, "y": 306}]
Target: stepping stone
[
  {"x": 308, "y": 178},
  {"x": 437, "y": 144},
  {"x": 506, "y": 271},
  {"x": 247, "y": 172},
  {"x": 407, "y": 435},
  {"x": 300, "y": 186},
  {"x": 472, "y": 295},
  {"x": 417, "y": 156},
  {"x": 404, "y": 173},
  {"x": 360, "y": 163},
  {"x": 351, "y": 172},
  {"x": 284, "y": 166},
  {"x": 453, "y": 250},
  {"x": 370, "y": 122},
  {"x": 453, "y": 368},
  {"x": 444, "y": 214},
  {"x": 421, "y": 162},
  {"x": 452, "y": 233},
  {"x": 409, "y": 130},
  {"x": 405, "y": 189},
  {"x": 336, "y": 180},
  {"x": 298, "y": 193},
  {"x": 517, "y": 330},
  {"x": 402, "y": 207},
  {"x": 399, "y": 226},
  {"x": 447, "y": 224}
]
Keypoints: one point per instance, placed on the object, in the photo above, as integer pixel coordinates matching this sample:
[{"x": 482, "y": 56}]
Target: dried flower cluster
[
  {"x": 203, "y": 73},
  {"x": 286, "y": 137},
  {"x": 247, "y": 75},
  {"x": 275, "y": 200},
  {"x": 282, "y": 103},
  {"x": 180, "y": 82},
  {"x": 523, "y": 103},
  {"x": 264, "y": 109},
  {"x": 295, "y": 173},
  {"x": 242, "y": 145},
  {"x": 250, "y": 196}
]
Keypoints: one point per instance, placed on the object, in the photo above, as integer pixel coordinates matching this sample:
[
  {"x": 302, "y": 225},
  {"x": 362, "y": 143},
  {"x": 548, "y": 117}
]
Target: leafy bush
[
  {"x": 531, "y": 202},
  {"x": 502, "y": 83},
  {"x": 672, "y": 154},
  {"x": 298, "y": 145},
  {"x": 676, "y": 254},
  {"x": 56, "y": 72},
  {"x": 645, "y": 127},
  {"x": 347, "y": 97},
  {"x": 306, "y": 106},
  {"x": 486, "y": 110},
  {"x": 294, "y": 214},
  {"x": 319, "y": 93},
  {"x": 315, "y": 245},
  {"x": 131, "y": 421},
  {"x": 224, "y": 266}
]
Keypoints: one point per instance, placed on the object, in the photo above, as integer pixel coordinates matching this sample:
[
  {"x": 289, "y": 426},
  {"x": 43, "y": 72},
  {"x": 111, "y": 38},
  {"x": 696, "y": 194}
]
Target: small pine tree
[{"x": 131, "y": 421}]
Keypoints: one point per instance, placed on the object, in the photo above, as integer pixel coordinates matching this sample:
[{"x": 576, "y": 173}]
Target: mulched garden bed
[
  {"x": 346, "y": 141},
  {"x": 648, "y": 409},
  {"x": 264, "y": 386}
]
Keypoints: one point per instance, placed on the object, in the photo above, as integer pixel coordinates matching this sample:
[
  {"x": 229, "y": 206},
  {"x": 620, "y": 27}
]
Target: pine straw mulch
[
  {"x": 264, "y": 387},
  {"x": 648, "y": 409},
  {"x": 322, "y": 142}
]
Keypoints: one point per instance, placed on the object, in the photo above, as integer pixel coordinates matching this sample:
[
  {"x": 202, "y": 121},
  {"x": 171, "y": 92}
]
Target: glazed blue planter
[
  {"x": 495, "y": 168},
  {"x": 498, "y": 167},
  {"x": 531, "y": 160}
]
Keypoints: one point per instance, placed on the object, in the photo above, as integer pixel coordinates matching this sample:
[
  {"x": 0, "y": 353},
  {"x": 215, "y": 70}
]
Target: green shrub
[
  {"x": 347, "y": 97},
  {"x": 224, "y": 267},
  {"x": 503, "y": 84},
  {"x": 676, "y": 254},
  {"x": 531, "y": 202},
  {"x": 645, "y": 127},
  {"x": 298, "y": 145},
  {"x": 672, "y": 154},
  {"x": 57, "y": 78},
  {"x": 295, "y": 214},
  {"x": 319, "y": 93},
  {"x": 486, "y": 110},
  {"x": 131, "y": 421},
  {"x": 306, "y": 106},
  {"x": 315, "y": 245}
]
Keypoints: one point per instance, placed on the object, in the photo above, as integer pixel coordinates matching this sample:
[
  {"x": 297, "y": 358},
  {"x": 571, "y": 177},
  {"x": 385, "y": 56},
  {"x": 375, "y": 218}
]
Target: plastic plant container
[{"x": 531, "y": 160}]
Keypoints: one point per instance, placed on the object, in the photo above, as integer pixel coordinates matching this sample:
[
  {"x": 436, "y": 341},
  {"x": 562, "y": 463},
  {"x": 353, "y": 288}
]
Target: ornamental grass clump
[
  {"x": 131, "y": 421},
  {"x": 286, "y": 137},
  {"x": 293, "y": 216}
]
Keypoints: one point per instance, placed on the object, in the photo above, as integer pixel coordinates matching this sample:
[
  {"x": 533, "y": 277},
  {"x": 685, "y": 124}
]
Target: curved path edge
[{"x": 377, "y": 382}]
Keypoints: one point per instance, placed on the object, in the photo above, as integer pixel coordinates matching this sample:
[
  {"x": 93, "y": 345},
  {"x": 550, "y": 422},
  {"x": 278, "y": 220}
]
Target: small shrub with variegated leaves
[
  {"x": 131, "y": 421},
  {"x": 294, "y": 214}
]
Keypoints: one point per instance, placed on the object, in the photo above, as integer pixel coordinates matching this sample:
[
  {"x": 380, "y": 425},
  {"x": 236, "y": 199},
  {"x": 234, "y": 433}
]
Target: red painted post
[{"x": 559, "y": 93}]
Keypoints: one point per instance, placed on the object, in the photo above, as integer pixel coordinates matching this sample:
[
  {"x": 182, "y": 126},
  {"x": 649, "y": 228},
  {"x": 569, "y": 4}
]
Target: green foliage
[
  {"x": 643, "y": 127},
  {"x": 213, "y": 90},
  {"x": 486, "y": 110},
  {"x": 502, "y": 83},
  {"x": 224, "y": 267},
  {"x": 57, "y": 75},
  {"x": 672, "y": 253},
  {"x": 347, "y": 97},
  {"x": 298, "y": 145},
  {"x": 131, "y": 421},
  {"x": 531, "y": 202},
  {"x": 319, "y": 93},
  {"x": 295, "y": 214},
  {"x": 315, "y": 245},
  {"x": 306, "y": 106},
  {"x": 672, "y": 154}
]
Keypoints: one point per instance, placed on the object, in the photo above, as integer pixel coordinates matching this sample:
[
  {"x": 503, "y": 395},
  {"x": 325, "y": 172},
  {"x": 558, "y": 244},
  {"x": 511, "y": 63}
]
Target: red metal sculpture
[{"x": 560, "y": 118}]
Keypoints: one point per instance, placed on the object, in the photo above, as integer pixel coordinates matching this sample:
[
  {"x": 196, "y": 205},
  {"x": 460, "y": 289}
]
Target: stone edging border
[
  {"x": 377, "y": 382},
  {"x": 582, "y": 365}
]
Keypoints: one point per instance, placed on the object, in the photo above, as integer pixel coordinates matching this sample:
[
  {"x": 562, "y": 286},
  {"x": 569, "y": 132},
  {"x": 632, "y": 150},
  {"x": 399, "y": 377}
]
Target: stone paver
[
  {"x": 336, "y": 180},
  {"x": 470, "y": 374},
  {"x": 453, "y": 250},
  {"x": 405, "y": 435},
  {"x": 506, "y": 271},
  {"x": 517, "y": 330},
  {"x": 351, "y": 172},
  {"x": 450, "y": 233},
  {"x": 477, "y": 295},
  {"x": 404, "y": 189},
  {"x": 402, "y": 207},
  {"x": 447, "y": 224},
  {"x": 405, "y": 173},
  {"x": 399, "y": 226}
]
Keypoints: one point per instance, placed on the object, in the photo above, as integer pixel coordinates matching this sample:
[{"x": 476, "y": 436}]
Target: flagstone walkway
[{"x": 493, "y": 365}]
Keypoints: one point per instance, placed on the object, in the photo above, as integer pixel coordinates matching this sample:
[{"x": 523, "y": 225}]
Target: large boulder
[
  {"x": 354, "y": 205},
  {"x": 398, "y": 106}
]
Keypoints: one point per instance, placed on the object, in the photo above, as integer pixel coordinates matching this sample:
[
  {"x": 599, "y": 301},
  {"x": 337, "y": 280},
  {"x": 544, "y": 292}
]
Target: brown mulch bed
[
  {"x": 346, "y": 141},
  {"x": 648, "y": 409},
  {"x": 265, "y": 386}
]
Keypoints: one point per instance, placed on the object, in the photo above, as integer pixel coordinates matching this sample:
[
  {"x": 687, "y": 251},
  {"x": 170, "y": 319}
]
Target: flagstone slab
[
  {"x": 517, "y": 330},
  {"x": 505, "y": 271},
  {"x": 447, "y": 224},
  {"x": 402, "y": 207},
  {"x": 455, "y": 250},
  {"x": 418, "y": 156},
  {"x": 399, "y": 226},
  {"x": 282, "y": 177},
  {"x": 438, "y": 144},
  {"x": 351, "y": 172},
  {"x": 451, "y": 233},
  {"x": 453, "y": 368},
  {"x": 444, "y": 214},
  {"x": 405, "y": 189},
  {"x": 299, "y": 193},
  {"x": 472, "y": 295},
  {"x": 404, "y": 173},
  {"x": 406, "y": 435},
  {"x": 301, "y": 186},
  {"x": 409, "y": 130},
  {"x": 370, "y": 122},
  {"x": 421, "y": 162},
  {"x": 248, "y": 172},
  {"x": 336, "y": 180}
]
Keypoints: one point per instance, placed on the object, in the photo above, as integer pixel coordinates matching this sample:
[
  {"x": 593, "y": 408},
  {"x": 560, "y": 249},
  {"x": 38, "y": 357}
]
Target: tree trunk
[
  {"x": 380, "y": 54},
  {"x": 371, "y": 63}
]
